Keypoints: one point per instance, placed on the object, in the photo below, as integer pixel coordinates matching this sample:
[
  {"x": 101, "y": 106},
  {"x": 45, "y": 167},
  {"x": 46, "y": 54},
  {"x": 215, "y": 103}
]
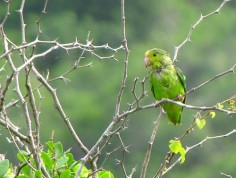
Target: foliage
[
  {"x": 176, "y": 147},
  {"x": 58, "y": 163},
  {"x": 4, "y": 166}
]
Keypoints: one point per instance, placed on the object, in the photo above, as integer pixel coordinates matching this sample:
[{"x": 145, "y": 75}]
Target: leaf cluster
[{"x": 57, "y": 162}]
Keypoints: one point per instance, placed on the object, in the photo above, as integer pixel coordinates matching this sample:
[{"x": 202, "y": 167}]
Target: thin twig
[
  {"x": 125, "y": 46},
  {"x": 59, "y": 108},
  {"x": 226, "y": 175},
  {"x": 202, "y": 17},
  {"x": 40, "y": 17},
  {"x": 150, "y": 145},
  {"x": 117, "y": 110},
  {"x": 155, "y": 104},
  {"x": 199, "y": 144},
  {"x": 11, "y": 127},
  {"x": 231, "y": 70},
  {"x": 6, "y": 16}
]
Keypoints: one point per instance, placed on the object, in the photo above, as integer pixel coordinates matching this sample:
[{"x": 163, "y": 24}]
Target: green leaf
[
  {"x": 105, "y": 174},
  {"x": 38, "y": 174},
  {"x": 231, "y": 102},
  {"x": 48, "y": 162},
  {"x": 213, "y": 114},
  {"x": 4, "y": 166},
  {"x": 200, "y": 123},
  {"x": 26, "y": 170},
  {"x": 65, "y": 174},
  {"x": 58, "y": 150},
  {"x": 23, "y": 156},
  {"x": 9, "y": 176},
  {"x": 176, "y": 147},
  {"x": 75, "y": 166},
  {"x": 71, "y": 159},
  {"x": 50, "y": 146},
  {"x": 220, "y": 106},
  {"x": 182, "y": 153},
  {"x": 9, "y": 173},
  {"x": 61, "y": 161},
  {"x": 22, "y": 176},
  {"x": 84, "y": 173}
]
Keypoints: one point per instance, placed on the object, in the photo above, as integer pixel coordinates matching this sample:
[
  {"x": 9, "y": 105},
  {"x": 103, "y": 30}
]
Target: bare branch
[
  {"x": 125, "y": 46},
  {"x": 232, "y": 69},
  {"x": 117, "y": 110},
  {"x": 200, "y": 144},
  {"x": 21, "y": 11},
  {"x": 59, "y": 108},
  {"x": 6, "y": 16},
  {"x": 150, "y": 145},
  {"x": 12, "y": 128},
  {"x": 40, "y": 17},
  {"x": 202, "y": 17},
  {"x": 226, "y": 175}
]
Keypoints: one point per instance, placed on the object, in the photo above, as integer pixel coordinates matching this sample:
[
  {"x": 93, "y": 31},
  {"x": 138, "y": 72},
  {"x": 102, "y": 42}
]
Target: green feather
[{"x": 167, "y": 81}]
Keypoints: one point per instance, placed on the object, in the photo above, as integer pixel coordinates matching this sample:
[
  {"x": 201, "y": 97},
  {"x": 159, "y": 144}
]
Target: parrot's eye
[{"x": 154, "y": 55}]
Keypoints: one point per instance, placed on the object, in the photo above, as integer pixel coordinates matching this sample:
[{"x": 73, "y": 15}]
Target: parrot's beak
[{"x": 147, "y": 61}]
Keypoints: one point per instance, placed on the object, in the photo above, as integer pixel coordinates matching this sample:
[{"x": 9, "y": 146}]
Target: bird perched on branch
[{"x": 167, "y": 81}]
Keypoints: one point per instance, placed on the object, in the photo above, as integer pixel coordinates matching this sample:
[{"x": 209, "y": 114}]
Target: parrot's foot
[
  {"x": 157, "y": 104},
  {"x": 180, "y": 97},
  {"x": 162, "y": 110}
]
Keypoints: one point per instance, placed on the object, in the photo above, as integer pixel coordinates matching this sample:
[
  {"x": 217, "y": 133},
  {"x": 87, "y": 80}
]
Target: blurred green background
[{"x": 89, "y": 98}]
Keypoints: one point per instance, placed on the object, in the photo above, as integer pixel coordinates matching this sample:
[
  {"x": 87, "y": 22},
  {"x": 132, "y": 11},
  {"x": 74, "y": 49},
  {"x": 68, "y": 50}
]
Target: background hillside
[{"x": 89, "y": 98}]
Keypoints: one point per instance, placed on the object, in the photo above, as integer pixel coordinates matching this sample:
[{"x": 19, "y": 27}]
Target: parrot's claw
[
  {"x": 180, "y": 97},
  {"x": 157, "y": 104},
  {"x": 162, "y": 110}
]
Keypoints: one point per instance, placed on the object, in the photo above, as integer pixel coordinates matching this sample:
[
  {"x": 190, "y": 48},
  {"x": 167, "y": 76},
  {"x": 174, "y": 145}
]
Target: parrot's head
[{"x": 156, "y": 58}]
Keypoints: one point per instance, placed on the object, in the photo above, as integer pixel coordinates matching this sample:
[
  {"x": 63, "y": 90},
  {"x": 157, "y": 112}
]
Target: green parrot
[{"x": 167, "y": 81}]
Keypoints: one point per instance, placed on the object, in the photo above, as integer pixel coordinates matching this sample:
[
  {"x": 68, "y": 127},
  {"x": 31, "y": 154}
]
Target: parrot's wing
[
  {"x": 152, "y": 88},
  {"x": 181, "y": 77}
]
